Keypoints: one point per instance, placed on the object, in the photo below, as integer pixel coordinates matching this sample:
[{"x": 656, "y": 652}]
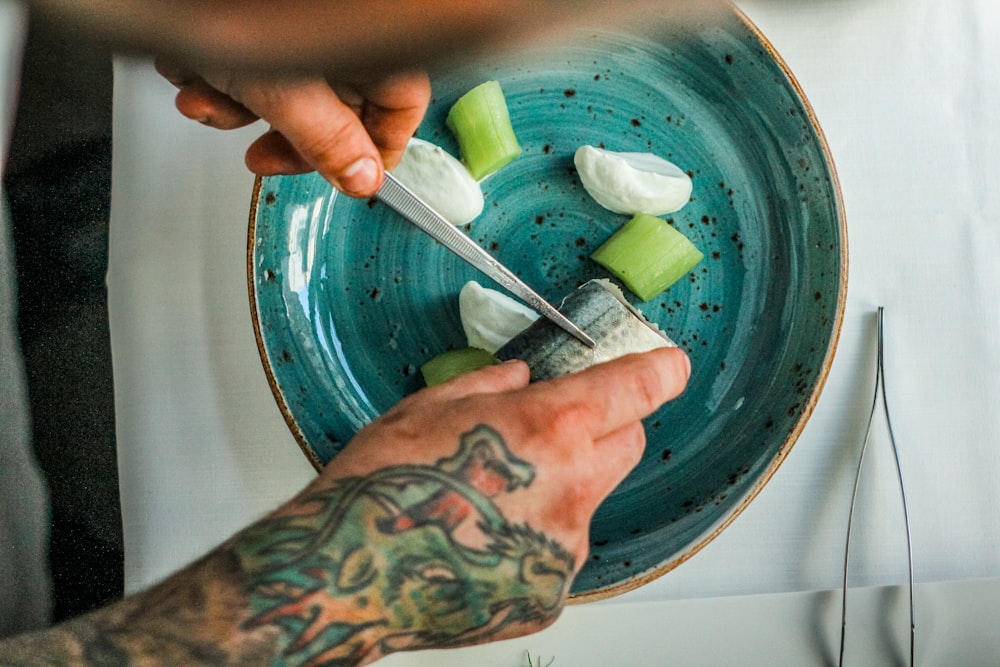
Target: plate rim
[{"x": 272, "y": 380}]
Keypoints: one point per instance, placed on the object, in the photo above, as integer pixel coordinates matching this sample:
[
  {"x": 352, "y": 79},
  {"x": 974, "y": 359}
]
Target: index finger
[{"x": 611, "y": 395}]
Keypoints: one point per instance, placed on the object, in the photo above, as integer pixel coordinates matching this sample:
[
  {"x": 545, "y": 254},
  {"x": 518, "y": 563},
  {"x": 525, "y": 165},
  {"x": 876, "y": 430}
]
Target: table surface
[{"x": 906, "y": 93}]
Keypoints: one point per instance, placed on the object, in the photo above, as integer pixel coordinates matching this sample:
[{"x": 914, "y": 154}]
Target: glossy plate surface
[{"x": 349, "y": 299}]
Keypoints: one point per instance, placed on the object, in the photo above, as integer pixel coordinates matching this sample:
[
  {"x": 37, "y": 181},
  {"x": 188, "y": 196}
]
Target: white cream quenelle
[
  {"x": 441, "y": 181},
  {"x": 632, "y": 183},
  {"x": 491, "y": 318}
]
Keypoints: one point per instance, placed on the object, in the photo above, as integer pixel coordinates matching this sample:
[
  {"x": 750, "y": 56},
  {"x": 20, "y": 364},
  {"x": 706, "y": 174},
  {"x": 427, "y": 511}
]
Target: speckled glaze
[{"x": 348, "y": 299}]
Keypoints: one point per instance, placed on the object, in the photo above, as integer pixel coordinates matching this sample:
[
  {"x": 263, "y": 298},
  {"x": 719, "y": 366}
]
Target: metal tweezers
[
  {"x": 879, "y": 392},
  {"x": 401, "y": 199}
]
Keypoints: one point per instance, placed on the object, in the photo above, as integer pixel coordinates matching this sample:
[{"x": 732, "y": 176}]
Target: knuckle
[
  {"x": 563, "y": 422},
  {"x": 646, "y": 390},
  {"x": 337, "y": 148},
  {"x": 647, "y": 387},
  {"x": 319, "y": 147},
  {"x": 633, "y": 444},
  {"x": 578, "y": 495}
]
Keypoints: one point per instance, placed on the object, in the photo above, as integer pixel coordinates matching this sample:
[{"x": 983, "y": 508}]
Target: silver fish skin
[{"x": 600, "y": 309}]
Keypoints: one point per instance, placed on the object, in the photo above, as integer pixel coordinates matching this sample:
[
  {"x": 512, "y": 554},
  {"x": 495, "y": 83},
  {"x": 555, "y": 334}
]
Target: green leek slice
[
  {"x": 481, "y": 123},
  {"x": 453, "y": 363},
  {"x": 648, "y": 255}
]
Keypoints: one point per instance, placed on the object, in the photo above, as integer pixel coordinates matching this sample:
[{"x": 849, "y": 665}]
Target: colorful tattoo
[{"x": 408, "y": 557}]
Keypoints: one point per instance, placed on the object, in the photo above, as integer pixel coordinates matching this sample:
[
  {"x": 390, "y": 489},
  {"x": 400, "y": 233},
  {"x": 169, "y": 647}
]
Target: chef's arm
[{"x": 459, "y": 517}]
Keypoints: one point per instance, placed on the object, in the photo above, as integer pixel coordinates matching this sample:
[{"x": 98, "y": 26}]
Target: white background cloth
[{"x": 907, "y": 94}]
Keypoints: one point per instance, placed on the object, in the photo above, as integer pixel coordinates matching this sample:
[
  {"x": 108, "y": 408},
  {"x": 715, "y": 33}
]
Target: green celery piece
[
  {"x": 453, "y": 363},
  {"x": 480, "y": 122},
  {"x": 648, "y": 255}
]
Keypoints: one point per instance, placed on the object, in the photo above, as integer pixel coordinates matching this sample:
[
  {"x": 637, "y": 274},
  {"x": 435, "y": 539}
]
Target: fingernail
[{"x": 360, "y": 177}]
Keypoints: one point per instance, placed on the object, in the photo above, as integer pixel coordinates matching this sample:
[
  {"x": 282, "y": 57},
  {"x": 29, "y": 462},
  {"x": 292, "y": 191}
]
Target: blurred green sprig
[{"x": 527, "y": 654}]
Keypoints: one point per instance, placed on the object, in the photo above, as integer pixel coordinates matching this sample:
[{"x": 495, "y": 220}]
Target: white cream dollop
[
  {"x": 440, "y": 180},
  {"x": 632, "y": 183},
  {"x": 491, "y": 318}
]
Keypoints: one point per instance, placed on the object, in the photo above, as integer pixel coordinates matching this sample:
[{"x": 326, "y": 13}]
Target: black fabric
[{"x": 58, "y": 183}]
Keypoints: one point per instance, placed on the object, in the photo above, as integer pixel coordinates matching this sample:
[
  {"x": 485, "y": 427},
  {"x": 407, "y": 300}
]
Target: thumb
[{"x": 310, "y": 126}]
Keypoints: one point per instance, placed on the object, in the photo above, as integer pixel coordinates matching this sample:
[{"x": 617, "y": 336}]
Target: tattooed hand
[
  {"x": 580, "y": 434},
  {"x": 459, "y": 517},
  {"x": 471, "y": 508}
]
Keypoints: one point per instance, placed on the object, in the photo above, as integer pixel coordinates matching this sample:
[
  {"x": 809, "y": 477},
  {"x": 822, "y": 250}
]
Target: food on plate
[
  {"x": 647, "y": 254},
  {"x": 632, "y": 183},
  {"x": 481, "y": 124},
  {"x": 601, "y": 310},
  {"x": 440, "y": 180},
  {"x": 452, "y": 363},
  {"x": 491, "y": 318}
]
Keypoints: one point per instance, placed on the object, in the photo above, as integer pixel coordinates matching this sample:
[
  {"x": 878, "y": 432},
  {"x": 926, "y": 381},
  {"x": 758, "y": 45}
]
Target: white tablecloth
[{"x": 907, "y": 94}]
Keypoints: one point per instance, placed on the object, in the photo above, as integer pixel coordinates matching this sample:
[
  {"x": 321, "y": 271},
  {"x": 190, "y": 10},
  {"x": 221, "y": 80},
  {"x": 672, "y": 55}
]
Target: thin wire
[{"x": 879, "y": 389}]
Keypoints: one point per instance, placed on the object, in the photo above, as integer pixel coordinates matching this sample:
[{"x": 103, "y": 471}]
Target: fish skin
[{"x": 600, "y": 309}]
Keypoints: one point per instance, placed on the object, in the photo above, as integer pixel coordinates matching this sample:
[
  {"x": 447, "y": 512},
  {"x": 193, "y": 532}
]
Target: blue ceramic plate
[{"x": 349, "y": 299}]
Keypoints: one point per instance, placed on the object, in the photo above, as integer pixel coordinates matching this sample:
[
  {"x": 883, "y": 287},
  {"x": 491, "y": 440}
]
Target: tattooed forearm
[
  {"x": 191, "y": 619},
  {"x": 408, "y": 557}
]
